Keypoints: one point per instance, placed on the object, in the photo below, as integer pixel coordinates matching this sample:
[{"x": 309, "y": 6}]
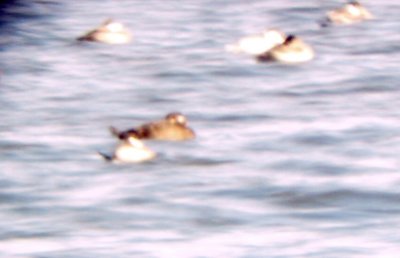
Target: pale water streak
[{"x": 290, "y": 161}]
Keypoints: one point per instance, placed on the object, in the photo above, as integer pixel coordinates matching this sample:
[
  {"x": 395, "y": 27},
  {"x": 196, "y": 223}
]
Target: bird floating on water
[
  {"x": 109, "y": 32},
  {"x": 172, "y": 128},
  {"x": 292, "y": 50},
  {"x": 258, "y": 43},
  {"x": 130, "y": 149},
  {"x": 350, "y": 13}
]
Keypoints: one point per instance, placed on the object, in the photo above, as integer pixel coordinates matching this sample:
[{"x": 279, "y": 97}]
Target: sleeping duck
[
  {"x": 109, "y": 32},
  {"x": 257, "y": 44},
  {"x": 351, "y": 12}
]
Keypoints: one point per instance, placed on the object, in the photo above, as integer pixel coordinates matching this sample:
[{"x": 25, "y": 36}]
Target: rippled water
[{"x": 290, "y": 161}]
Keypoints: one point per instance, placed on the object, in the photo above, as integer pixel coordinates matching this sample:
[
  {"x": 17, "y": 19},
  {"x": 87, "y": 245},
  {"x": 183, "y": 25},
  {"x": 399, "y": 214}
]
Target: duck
[
  {"x": 172, "y": 128},
  {"x": 109, "y": 32},
  {"x": 350, "y": 13},
  {"x": 130, "y": 149},
  {"x": 258, "y": 43},
  {"x": 292, "y": 50}
]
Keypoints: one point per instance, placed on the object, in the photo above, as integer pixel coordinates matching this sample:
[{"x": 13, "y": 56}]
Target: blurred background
[{"x": 289, "y": 160}]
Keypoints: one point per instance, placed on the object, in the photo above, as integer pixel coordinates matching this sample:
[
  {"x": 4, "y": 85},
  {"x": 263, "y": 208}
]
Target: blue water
[{"x": 290, "y": 161}]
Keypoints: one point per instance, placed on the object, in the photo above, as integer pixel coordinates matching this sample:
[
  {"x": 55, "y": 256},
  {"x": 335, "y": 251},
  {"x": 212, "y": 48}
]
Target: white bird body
[{"x": 257, "y": 44}]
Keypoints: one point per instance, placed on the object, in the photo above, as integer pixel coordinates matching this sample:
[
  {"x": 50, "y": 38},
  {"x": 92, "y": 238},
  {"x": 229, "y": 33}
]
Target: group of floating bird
[
  {"x": 131, "y": 148},
  {"x": 270, "y": 45},
  {"x": 274, "y": 45}
]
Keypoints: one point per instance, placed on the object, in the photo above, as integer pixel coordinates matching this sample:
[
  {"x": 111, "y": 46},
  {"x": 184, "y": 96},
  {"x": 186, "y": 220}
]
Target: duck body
[
  {"x": 350, "y": 13},
  {"x": 130, "y": 150},
  {"x": 293, "y": 50},
  {"x": 172, "y": 128},
  {"x": 257, "y": 44},
  {"x": 110, "y": 32}
]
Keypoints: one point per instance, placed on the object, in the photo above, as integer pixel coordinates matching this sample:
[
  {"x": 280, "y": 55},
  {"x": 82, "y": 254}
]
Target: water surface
[{"x": 290, "y": 161}]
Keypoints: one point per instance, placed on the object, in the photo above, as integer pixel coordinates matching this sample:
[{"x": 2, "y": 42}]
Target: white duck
[
  {"x": 351, "y": 12},
  {"x": 109, "y": 32},
  {"x": 130, "y": 150},
  {"x": 257, "y": 44}
]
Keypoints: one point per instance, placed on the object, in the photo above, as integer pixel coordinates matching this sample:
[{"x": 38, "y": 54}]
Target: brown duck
[{"x": 172, "y": 128}]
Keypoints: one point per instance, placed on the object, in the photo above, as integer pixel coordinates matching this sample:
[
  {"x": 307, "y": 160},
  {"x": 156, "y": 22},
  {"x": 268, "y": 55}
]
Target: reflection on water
[{"x": 290, "y": 161}]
